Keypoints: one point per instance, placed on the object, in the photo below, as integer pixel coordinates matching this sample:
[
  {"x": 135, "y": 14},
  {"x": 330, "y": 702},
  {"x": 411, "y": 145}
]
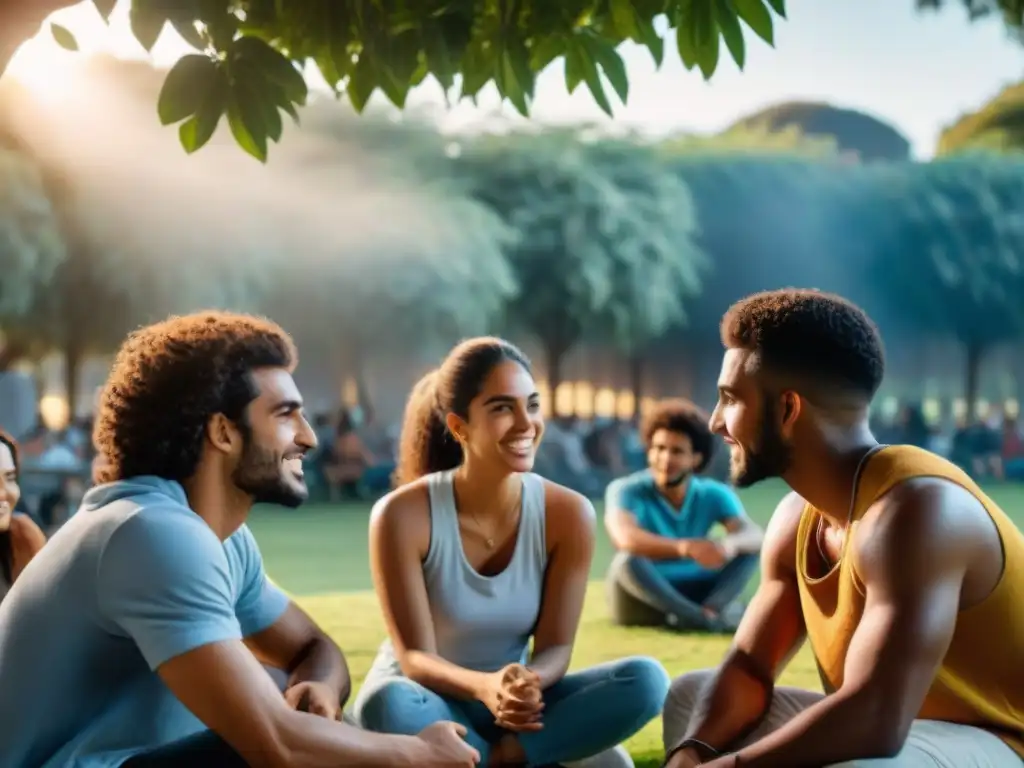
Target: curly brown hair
[
  {"x": 169, "y": 379},
  {"x": 425, "y": 446},
  {"x": 818, "y": 337},
  {"x": 684, "y": 418}
]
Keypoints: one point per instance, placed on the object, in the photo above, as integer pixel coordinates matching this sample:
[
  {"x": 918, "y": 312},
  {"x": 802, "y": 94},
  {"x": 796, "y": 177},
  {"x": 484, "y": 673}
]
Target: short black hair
[
  {"x": 684, "y": 418},
  {"x": 816, "y": 337},
  {"x": 169, "y": 379}
]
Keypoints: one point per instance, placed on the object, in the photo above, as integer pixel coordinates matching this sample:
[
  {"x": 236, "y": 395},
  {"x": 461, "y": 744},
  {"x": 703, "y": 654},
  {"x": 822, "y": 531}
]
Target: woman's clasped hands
[{"x": 513, "y": 696}]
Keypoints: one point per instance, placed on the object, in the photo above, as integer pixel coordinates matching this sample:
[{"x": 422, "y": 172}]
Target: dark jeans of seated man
[
  {"x": 202, "y": 750},
  {"x": 682, "y": 604}
]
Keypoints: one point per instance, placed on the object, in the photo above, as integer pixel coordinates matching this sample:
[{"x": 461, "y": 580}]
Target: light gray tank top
[{"x": 480, "y": 622}]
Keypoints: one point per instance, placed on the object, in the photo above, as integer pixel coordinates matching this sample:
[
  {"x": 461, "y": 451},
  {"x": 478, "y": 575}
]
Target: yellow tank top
[{"x": 980, "y": 680}]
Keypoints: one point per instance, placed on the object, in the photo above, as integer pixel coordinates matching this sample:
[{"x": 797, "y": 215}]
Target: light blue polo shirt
[
  {"x": 134, "y": 579},
  {"x": 707, "y": 503}
]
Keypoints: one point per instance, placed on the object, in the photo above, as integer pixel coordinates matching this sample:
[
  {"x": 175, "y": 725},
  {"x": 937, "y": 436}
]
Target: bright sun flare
[
  {"x": 50, "y": 72},
  {"x": 44, "y": 68}
]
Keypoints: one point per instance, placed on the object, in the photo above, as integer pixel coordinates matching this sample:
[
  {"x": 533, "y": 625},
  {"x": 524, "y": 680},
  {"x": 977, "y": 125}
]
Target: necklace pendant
[{"x": 489, "y": 543}]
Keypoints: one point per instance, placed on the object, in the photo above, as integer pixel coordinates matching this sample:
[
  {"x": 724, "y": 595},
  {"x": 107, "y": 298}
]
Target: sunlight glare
[{"x": 44, "y": 68}]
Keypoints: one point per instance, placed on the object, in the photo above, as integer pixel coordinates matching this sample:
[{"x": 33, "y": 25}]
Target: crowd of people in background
[{"x": 357, "y": 452}]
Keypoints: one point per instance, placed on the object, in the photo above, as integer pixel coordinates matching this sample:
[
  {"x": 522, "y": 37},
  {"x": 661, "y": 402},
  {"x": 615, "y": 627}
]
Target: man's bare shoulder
[
  {"x": 785, "y": 520},
  {"x": 926, "y": 506},
  {"x": 780, "y": 535},
  {"x": 927, "y": 519}
]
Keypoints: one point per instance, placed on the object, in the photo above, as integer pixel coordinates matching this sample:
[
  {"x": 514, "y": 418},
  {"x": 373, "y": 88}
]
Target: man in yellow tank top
[{"x": 906, "y": 580}]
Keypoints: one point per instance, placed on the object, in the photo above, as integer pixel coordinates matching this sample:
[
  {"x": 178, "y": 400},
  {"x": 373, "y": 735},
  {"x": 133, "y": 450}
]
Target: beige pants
[{"x": 931, "y": 744}]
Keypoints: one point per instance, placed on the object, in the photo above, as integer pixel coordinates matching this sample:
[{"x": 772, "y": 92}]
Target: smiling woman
[{"x": 474, "y": 558}]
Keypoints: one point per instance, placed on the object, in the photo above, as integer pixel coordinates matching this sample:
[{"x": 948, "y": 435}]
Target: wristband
[{"x": 704, "y": 750}]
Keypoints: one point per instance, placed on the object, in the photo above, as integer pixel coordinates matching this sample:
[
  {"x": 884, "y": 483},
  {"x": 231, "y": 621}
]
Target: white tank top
[{"x": 480, "y": 622}]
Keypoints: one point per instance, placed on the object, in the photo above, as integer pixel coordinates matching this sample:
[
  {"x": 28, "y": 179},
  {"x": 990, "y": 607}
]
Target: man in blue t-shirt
[
  {"x": 668, "y": 570},
  {"x": 141, "y": 634}
]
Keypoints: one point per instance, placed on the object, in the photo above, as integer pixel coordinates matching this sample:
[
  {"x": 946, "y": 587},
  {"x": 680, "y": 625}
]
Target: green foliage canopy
[
  {"x": 250, "y": 52},
  {"x": 604, "y": 244}
]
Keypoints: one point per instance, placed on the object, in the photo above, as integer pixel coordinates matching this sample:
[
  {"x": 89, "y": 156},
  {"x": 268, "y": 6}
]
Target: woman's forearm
[
  {"x": 551, "y": 664},
  {"x": 437, "y": 674}
]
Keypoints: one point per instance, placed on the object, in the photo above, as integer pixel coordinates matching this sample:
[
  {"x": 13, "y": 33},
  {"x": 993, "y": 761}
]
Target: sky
[{"x": 919, "y": 71}]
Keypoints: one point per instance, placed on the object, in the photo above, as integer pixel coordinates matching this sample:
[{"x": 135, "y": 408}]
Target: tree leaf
[
  {"x": 686, "y": 34},
  {"x": 185, "y": 87},
  {"x": 260, "y": 92},
  {"x": 611, "y": 63},
  {"x": 147, "y": 22},
  {"x": 361, "y": 83},
  {"x": 438, "y": 59},
  {"x": 195, "y": 132},
  {"x": 221, "y": 25},
  {"x": 246, "y": 120},
  {"x": 545, "y": 50},
  {"x": 779, "y": 6},
  {"x": 574, "y": 67},
  {"x": 394, "y": 87},
  {"x": 649, "y": 37},
  {"x": 64, "y": 38},
  {"x": 757, "y": 17},
  {"x": 514, "y": 77},
  {"x": 187, "y": 29},
  {"x": 105, "y": 7},
  {"x": 593, "y": 79},
  {"x": 624, "y": 18},
  {"x": 280, "y": 98},
  {"x": 275, "y": 66},
  {"x": 478, "y": 66},
  {"x": 396, "y": 60},
  {"x": 732, "y": 32},
  {"x": 705, "y": 37}
]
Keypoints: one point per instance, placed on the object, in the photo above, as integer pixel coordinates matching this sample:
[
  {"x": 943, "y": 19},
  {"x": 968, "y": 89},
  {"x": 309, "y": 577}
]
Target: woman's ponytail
[{"x": 425, "y": 445}]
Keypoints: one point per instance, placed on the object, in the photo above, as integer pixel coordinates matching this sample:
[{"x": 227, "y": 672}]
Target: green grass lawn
[{"x": 319, "y": 554}]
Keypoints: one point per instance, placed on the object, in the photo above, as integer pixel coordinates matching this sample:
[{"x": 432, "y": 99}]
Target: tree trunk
[
  {"x": 554, "y": 354},
  {"x": 362, "y": 389},
  {"x": 636, "y": 382},
  {"x": 72, "y": 369},
  {"x": 975, "y": 353},
  {"x": 11, "y": 353}
]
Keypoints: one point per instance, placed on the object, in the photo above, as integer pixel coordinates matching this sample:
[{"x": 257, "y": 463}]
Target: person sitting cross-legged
[
  {"x": 481, "y": 567},
  {"x": 668, "y": 570},
  {"x": 142, "y": 634},
  {"x": 902, "y": 576}
]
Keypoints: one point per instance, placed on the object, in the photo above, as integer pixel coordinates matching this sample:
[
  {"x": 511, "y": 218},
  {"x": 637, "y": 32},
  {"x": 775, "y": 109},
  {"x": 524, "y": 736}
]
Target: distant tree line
[{"x": 562, "y": 235}]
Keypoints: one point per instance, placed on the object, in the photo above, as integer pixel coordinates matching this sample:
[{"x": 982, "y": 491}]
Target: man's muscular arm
[
  {"x": 911, "y": 551},
  {"x": 772, "y": 630}
]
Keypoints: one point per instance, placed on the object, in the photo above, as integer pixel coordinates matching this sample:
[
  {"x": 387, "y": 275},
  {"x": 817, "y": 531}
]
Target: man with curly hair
[
  {"x": 139, "y": 635},
  {"x": 668, "y": 570},
  {"x": 904, "y": 577}
]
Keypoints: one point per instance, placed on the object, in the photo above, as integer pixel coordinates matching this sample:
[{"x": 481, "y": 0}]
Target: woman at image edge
[
  {"x": 471, "y": 557},
  {"x": 20, "y": 538}
]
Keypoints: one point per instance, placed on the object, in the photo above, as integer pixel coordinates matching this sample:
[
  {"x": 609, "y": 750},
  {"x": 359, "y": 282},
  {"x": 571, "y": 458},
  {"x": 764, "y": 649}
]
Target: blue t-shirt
[
  {"x": 134, "y": 579},
  {"x": 707, "y": 503}
]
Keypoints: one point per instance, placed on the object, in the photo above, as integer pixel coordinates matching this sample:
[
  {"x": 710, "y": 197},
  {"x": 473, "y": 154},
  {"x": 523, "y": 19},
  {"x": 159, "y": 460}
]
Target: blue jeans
[
  {"x": 585, "y": 712},
  {"x": 686, "y": 599}
]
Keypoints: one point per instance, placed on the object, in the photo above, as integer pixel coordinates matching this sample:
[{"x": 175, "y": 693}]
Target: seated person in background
[
  {"x": 20, "y": 537},
  {"x": 348, "y": 461},
  {"x": 141, "y": 634},
  {"x": 905, "y": 578},
  {"x": 668, "y": 571},
  {"x": 473, "y": 557}
]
